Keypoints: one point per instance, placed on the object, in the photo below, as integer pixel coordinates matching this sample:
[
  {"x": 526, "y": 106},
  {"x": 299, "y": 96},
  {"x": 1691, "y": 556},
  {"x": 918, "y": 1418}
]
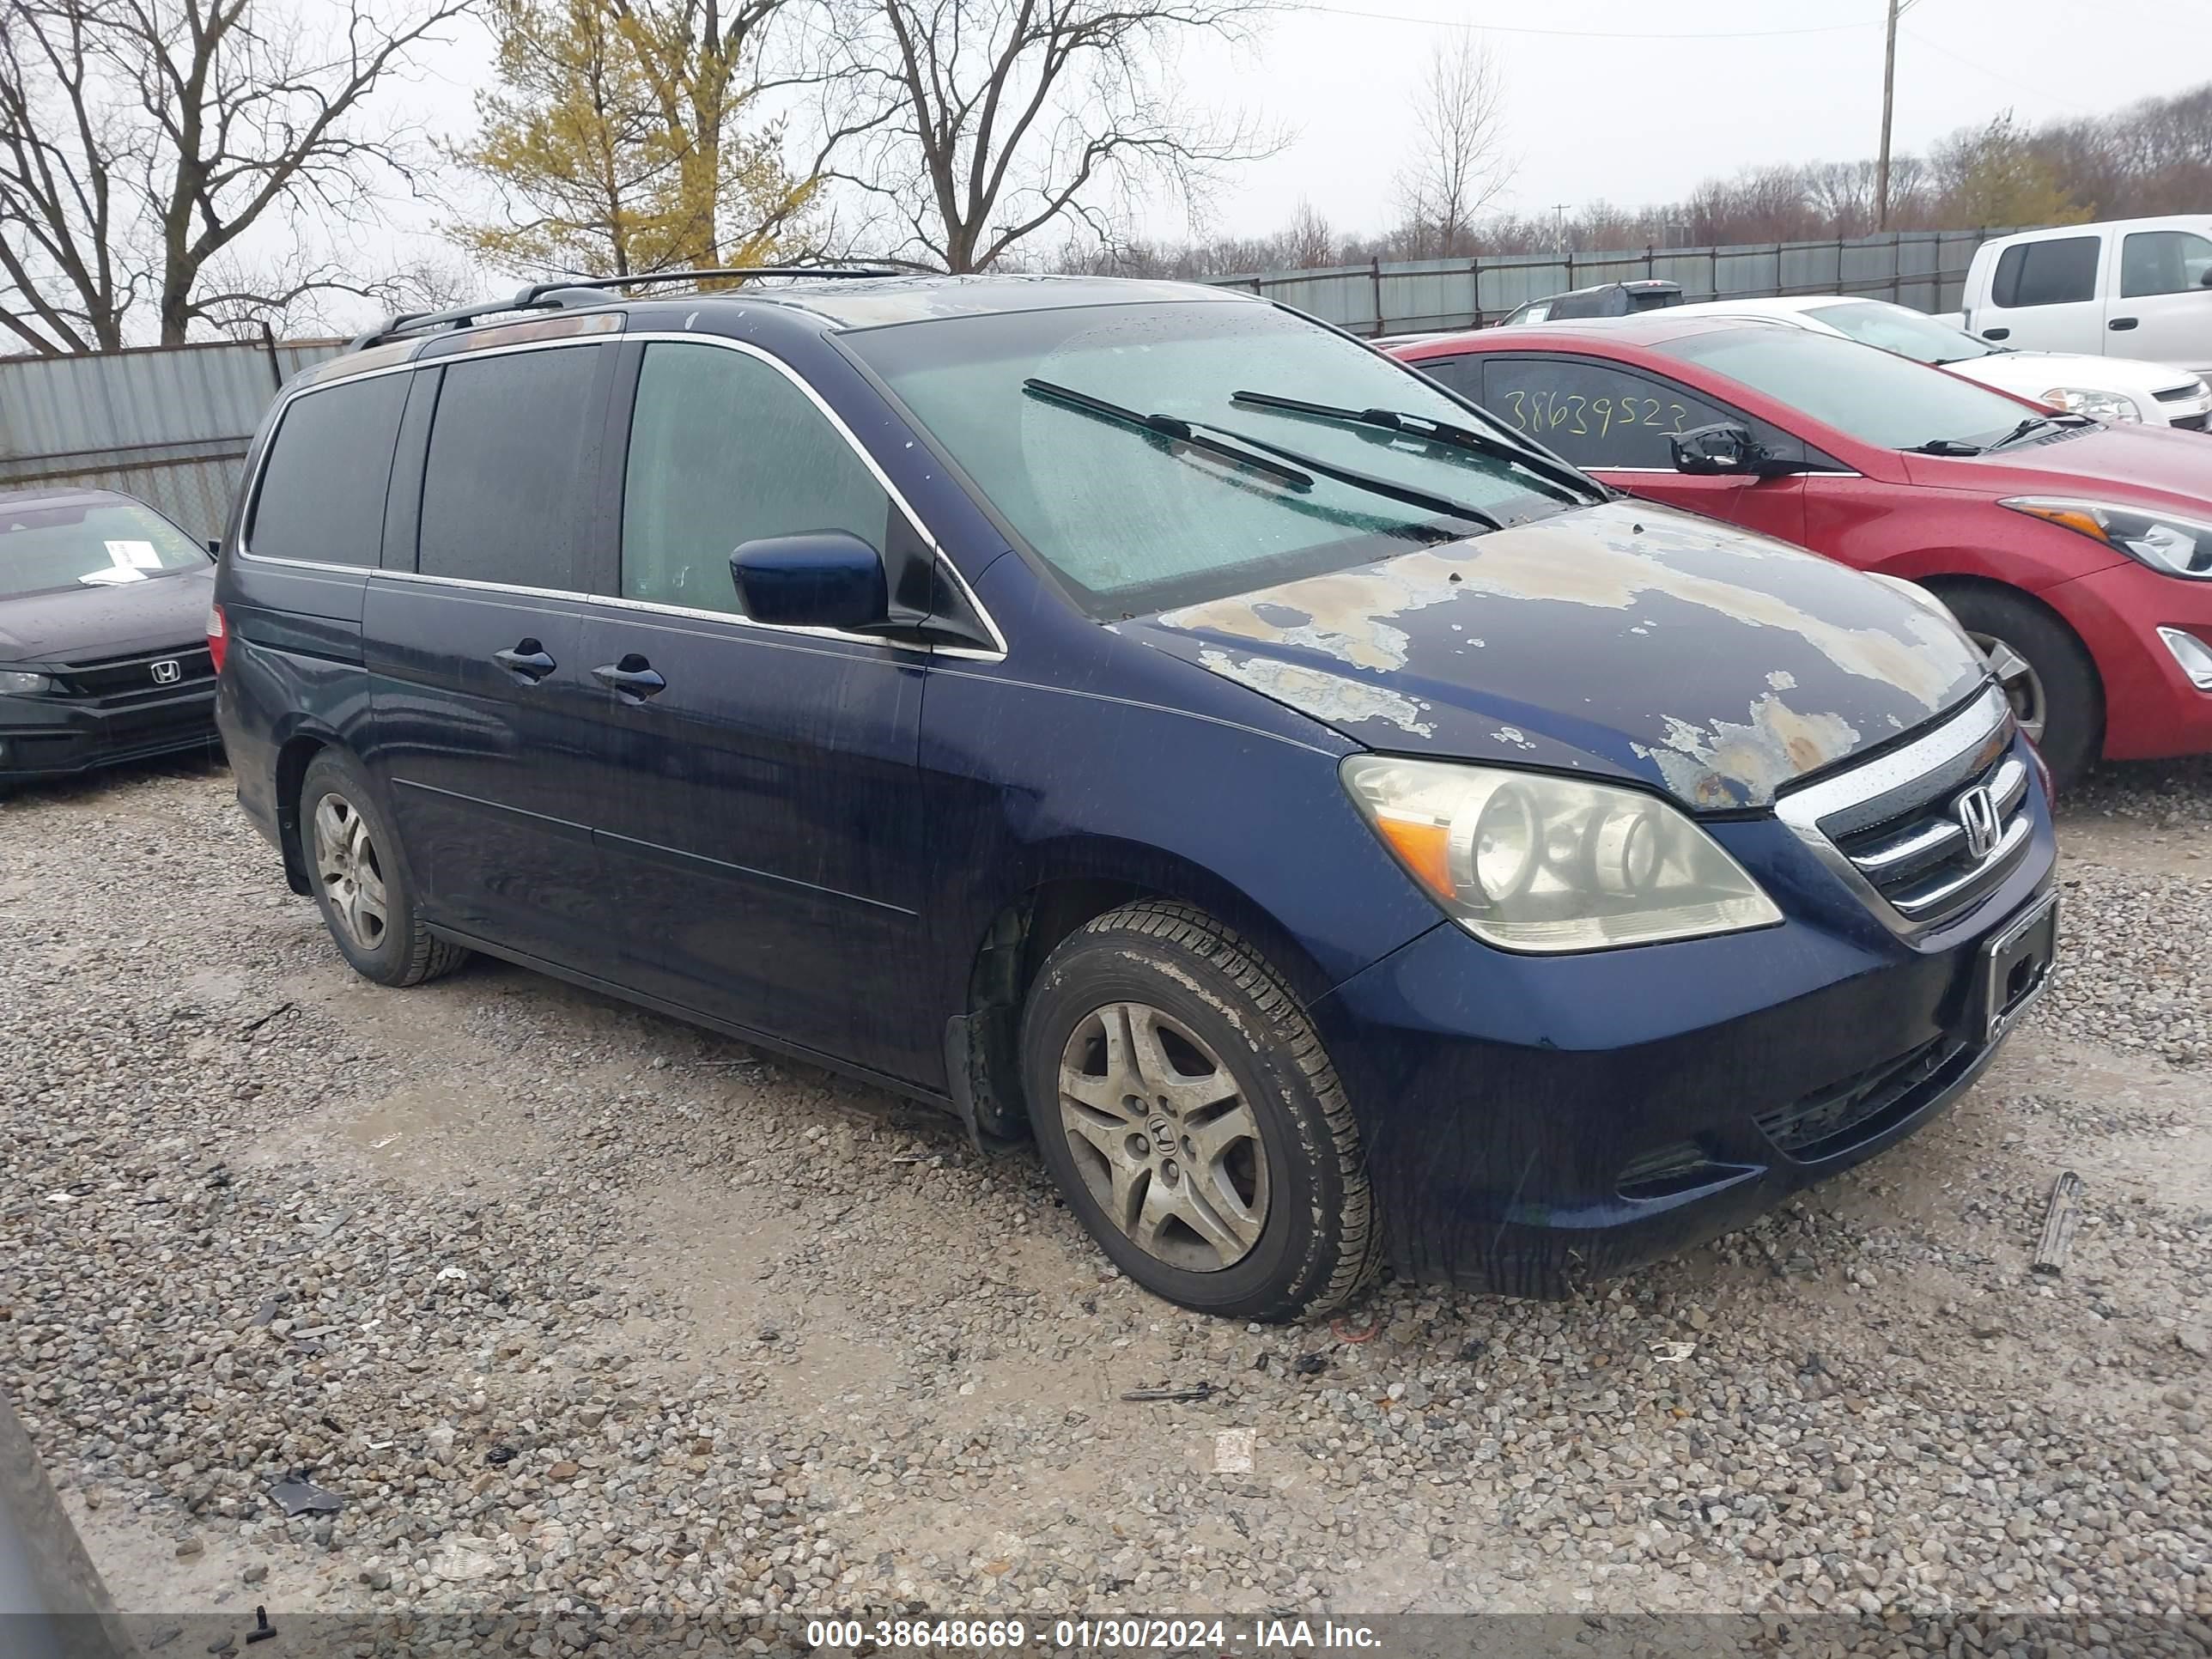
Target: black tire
[
  {"x": 2072, "y": 695},
  {"x": 400, "y": 952},
  {"x": 1317, "y": 1240}
]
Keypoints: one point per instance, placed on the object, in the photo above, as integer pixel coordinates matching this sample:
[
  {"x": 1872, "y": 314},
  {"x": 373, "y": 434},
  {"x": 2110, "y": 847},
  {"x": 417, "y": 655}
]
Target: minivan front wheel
[
  {"x": 366, "y": 901},
  {"x": 1186, "y": 1107}
]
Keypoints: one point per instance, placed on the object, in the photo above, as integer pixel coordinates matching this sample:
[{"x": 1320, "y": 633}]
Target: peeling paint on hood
[{"x": 1624, "y": 638}]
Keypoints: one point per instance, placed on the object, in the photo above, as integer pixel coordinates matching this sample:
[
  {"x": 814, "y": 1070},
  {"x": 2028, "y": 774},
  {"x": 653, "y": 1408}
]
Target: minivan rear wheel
[
  {"x": 2046, "y": 673},
  {"x": 366, "y": 901},
  {"x": 1192, "y": 1120}
]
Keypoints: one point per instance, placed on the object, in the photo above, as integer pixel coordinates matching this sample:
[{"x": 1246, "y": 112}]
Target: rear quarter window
[{"x": 321, "y": 494}]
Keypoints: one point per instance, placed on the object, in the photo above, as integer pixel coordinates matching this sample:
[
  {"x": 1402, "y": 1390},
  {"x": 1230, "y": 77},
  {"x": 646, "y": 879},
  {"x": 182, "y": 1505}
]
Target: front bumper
[
  {"x": 1534, "y": 1123},
  {"x": 53, "y": 737},
  {"x": 2152, "y": 711}
]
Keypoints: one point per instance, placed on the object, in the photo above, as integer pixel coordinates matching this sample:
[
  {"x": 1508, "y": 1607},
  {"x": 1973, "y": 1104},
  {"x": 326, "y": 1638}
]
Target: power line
[
  {"x": 1990, "y": 74},
  {"x": 1571, "y": 35}
]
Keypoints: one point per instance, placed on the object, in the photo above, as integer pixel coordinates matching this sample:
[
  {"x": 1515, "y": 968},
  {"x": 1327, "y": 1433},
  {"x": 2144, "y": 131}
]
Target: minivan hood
[
  {"x": 2134, "y": 463},
  {"x": 75, "y": 623},
  {"x": 1626, "y": 639}
]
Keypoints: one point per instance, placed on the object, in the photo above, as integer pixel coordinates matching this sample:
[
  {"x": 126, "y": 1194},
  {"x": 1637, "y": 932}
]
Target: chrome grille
[
  {"x": 1925, "y": 831},
  {"x": 2179, "y": 394},
  {"x": 1924, "y": 860}
]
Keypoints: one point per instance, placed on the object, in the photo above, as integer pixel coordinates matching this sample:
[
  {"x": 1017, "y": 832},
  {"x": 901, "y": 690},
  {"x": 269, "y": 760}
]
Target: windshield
[
  {"x": 1136, "y": 522},
  {"x": 1907, "y": 332},
  {"x": 1872, "y": 396},
  {"x": 91, "y": 543}
]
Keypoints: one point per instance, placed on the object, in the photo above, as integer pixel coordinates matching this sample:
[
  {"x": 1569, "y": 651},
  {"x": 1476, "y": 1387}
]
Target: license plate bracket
[{"x": 2014, "y": 968}]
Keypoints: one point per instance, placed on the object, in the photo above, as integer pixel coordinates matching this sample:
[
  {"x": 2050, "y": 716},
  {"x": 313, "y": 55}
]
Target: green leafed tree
[
  {"x": 618, "y": 139},
  {"x": 1995, "y": 175}
]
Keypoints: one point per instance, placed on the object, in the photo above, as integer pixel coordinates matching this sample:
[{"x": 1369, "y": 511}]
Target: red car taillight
[{"x": 218, "y": 636}]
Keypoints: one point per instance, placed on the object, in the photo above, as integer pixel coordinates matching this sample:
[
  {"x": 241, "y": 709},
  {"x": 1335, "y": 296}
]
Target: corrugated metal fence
[
  {"x": 170, "y": 424},
  {"x": 1926, "y": 270}
]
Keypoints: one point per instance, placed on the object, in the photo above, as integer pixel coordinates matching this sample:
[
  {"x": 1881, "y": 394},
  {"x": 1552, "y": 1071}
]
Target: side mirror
[
  {"x": 2205, "y": 280},
  {"x": 1722, "y": 450},
  {"x": 819, "y": 579}
]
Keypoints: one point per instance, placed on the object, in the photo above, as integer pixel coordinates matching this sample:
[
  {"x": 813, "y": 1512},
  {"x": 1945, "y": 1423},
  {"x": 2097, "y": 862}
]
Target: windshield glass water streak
[{"x": 1137, "y": 521}]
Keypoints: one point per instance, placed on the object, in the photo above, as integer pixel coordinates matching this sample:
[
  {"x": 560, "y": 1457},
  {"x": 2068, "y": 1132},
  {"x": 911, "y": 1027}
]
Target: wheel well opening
[
  {"x": 1021, "y": 936},
  {"x": 292, "y": 763},
  {"x": 1942, "y": 586}
]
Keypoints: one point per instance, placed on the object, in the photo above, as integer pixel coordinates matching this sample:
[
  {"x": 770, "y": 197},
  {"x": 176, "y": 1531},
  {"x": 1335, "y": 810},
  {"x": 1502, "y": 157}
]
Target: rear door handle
[
  {"x": 633, "y": 677},
  {"x": 2120, "y": 325},
  {"x": 1996, "y": 334},
  {"x": 527, "y": 661}
]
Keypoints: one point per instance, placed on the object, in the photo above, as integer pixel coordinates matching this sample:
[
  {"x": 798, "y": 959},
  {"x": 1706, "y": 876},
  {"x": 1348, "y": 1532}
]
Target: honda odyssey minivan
[{"x": 1136, "y": 718}]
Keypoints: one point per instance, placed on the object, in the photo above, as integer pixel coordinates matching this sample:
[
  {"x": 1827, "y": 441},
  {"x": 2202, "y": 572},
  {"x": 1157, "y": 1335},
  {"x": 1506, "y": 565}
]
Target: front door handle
[
  {"x": 2121, "y": 324},
  {"x": 1996, "y": 334},
  {"x": 527, "y": 661},
  {"x": 633, "y": 677}
]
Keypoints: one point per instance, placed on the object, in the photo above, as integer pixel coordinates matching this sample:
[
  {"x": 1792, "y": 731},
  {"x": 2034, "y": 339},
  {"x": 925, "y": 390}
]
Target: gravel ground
[{"x": 563, "y": 1300}]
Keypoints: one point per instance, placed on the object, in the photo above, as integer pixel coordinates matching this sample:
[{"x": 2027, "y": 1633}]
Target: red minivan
[{"x": 2078, "y": 555}]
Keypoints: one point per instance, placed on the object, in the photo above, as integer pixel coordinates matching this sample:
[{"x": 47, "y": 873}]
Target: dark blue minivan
[{"x": 1139, "y": 719}]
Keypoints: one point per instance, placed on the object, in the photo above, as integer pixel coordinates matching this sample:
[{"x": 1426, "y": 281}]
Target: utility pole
[
  {"x": 1559, "y": 223},
  {"x": 1897, "y": 8}
]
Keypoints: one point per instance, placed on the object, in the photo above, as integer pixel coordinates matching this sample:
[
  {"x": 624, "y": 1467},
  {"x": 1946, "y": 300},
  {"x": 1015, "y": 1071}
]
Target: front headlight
[
  {"x": 2163, "y": 541},
  {"x": 1531, "y": 862},
  {"x": 2084, "y": 400},
  {"x": 15, "y": 681}
]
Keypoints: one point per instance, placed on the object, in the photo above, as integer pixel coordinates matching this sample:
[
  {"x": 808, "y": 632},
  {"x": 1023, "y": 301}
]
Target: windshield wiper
[
  {"x": 1944, "y": 447},
  {"x": 1168, "y": 427},
  {"x": 2035, "y": 423},
  {"x": 1422, "y": 426},
  {"x": 1193, "y": 432}
]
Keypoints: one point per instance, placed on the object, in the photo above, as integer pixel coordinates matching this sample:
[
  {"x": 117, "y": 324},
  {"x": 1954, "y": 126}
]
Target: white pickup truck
[{"x": 2130, "y": 288}]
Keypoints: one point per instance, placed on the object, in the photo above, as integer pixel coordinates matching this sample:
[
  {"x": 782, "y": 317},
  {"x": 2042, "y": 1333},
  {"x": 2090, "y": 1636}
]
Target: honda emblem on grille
[
  {"x": 1978, "y": 817},
  {"x": 168, "y": 671}
]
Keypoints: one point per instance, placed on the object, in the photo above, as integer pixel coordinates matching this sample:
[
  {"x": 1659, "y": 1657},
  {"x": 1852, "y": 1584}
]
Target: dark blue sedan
[{"x": 1141, "y": 721}]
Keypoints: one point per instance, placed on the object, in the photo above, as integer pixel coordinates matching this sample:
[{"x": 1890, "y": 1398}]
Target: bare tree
[
  {"x": 166, "y": 130},
  {"x": 982, "y": 122},
  {"x": 62, "y": 156},
  {"x": 1462, "y": 165},
  {"x": 1309, "y": 244}
]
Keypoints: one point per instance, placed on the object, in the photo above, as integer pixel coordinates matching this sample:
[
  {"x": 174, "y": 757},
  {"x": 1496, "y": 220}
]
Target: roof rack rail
[{"x": 564, "y": 291}]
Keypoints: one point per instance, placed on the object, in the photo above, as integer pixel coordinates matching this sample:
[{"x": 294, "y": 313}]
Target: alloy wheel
[
  {"x": 2023, "y": 686},
  {"x": 1164, "y": 1137},
  {"x": 347, "y": 865}
]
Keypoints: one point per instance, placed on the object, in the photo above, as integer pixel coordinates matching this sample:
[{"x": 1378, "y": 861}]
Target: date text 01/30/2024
[{"x": 1124, "y": 1635}]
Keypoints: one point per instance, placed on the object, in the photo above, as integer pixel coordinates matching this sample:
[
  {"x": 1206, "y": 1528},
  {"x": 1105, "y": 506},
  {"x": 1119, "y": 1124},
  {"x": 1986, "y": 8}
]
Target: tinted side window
[
  {"x": 724, "y": 449},
  {"x": 1592, "y": 413},
  {"x": 2162, "y": 262},
  {"x": 2054, "y": 273},
  {"x": 1581, "y": 305},
  {"x": 321, "y": 495},
  {"x": 508, "y": 484},
  {"x": 1462, "y": 374}
]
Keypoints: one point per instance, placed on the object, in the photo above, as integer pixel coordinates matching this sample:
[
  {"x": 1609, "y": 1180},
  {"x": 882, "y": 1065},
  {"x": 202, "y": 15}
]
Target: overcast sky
[
  {"x": 1600, "y": 105},
  {"x": 1632, "y": 101}
]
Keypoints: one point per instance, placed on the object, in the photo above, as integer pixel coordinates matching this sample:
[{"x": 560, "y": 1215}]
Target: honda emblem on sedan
[
  {"x": 168, "y": 671},
  {"x": 1978, "y": 817}
]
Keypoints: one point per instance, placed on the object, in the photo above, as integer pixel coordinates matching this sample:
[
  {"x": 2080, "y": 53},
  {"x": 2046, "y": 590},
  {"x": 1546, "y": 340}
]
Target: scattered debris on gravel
[{"x": 497, "y": 1295}]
